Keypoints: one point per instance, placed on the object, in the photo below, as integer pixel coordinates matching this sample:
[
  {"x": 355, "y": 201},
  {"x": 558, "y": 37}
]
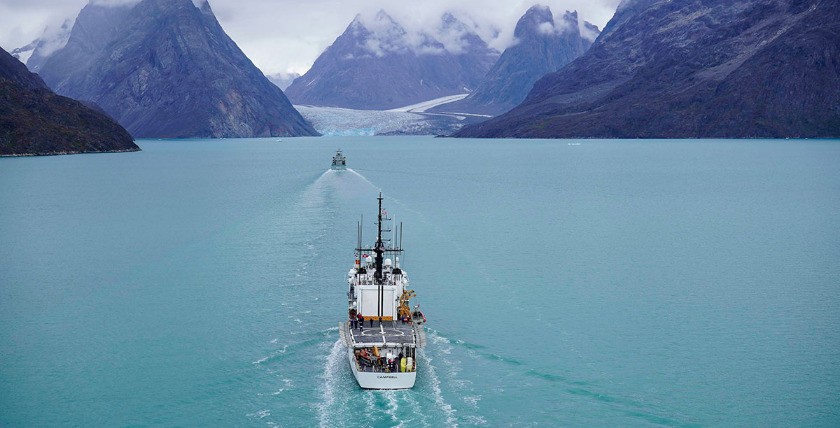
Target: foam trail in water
[
  {"x": 363, "y": 178},
  {"x": 396, "y": 201},
  {"x": 391, "y": 405},
  {"x": 347, "y": 185},
  {"x": 273, "y": 355},
  {"x": 332, "y": 367},
  {"x": 437, "y": 394},
  {"x": 633, "y": 408},
  {"x": 416, "y": 411},
  {"x": 303, "y": 227}
]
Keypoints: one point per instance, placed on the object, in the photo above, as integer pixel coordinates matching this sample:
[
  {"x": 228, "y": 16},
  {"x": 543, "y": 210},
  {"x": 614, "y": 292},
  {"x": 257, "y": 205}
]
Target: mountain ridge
[
  {"x": 377, "y": 65},
  {"x": 167, "y": 69},
  {"x": 542, "y": 46},
  {"x": 35, "y": 121},
  {"x": 690, "y": 69}
]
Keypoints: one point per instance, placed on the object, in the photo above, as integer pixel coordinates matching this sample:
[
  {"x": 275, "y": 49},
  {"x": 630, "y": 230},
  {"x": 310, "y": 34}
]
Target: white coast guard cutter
[{"x": 382, "y": 333}]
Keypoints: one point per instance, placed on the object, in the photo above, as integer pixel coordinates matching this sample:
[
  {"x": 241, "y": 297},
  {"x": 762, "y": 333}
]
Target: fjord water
[{"x": 617, "y": 283}]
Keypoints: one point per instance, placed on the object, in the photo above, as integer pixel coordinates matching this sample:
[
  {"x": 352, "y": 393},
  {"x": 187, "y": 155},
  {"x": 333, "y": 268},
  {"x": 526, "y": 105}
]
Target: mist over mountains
[
  {"x": 130, "y": 58},
  {"x": 52, "y": 39},
  {"x": 377, "y": 64},
  {"x": 282, "y": 80},
  {"x": 166, "y": 68},
  {"x": 685, "y": 69},
  {"x": 542, "y": 45},
  {"x": 659, "y": 69}
]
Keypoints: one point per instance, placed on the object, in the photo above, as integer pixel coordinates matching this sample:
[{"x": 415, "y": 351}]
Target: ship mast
[{"x": 379, "y": 248}]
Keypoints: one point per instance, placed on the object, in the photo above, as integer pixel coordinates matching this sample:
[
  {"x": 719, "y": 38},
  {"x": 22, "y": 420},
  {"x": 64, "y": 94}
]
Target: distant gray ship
[{"x": 339, "y": 161}]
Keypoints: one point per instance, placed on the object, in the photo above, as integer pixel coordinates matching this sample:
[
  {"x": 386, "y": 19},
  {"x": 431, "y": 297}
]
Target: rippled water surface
[{"x": 605, "y": 283}]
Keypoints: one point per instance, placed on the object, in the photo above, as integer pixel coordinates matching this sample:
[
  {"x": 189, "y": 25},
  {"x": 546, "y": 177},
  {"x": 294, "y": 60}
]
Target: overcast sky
[{"x": 287, "y": 35}]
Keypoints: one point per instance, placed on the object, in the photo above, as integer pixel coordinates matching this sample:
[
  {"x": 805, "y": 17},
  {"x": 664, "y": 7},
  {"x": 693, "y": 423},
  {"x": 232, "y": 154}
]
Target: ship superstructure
[
  {"x": 383, "y": 332},
  {"x": 339, "y": 161}
]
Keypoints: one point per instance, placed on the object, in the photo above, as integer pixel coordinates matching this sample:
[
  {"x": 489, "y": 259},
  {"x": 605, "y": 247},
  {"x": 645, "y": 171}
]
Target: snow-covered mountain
[
  {"x": 52, "y": 39},
  {"x": 543, "y": 45},
  {"x": 377, "y": 64},
  {"x": 693, "y": 69}
]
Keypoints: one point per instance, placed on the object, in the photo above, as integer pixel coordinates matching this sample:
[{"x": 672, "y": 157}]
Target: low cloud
[
  {"x": 388, "y": 35},
  {"x": 287, "y": 36},
  {"x": 589, "y": 32},
  {"x": 54, "y": 38},
  {"x": 107, "y": 3},
  {"x": 546, "y": 28}
]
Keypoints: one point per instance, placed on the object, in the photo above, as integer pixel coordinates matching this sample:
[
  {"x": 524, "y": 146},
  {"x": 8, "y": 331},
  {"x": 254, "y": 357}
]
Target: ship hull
[{"x": 380, "y": 380}]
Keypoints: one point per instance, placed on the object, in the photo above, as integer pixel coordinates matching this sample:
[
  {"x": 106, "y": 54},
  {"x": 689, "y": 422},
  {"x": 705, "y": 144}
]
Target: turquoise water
[{"x": 611, "y": 283}]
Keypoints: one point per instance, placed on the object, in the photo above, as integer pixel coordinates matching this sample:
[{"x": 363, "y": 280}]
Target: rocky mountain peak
[
  {"x": 382, "y": 16},
  {"x": 381, "y": 24},
  {"x": 693, "y": 69},
  {"x": 166, "y": 68},
  {"x": 537, "y": 19},
  {"x": 543, "y": 45},
  {"x": 450, "y": 22},
  {"x": 97, "y": 24},
  {"x": 379, "y": 64},
  {"x": 570, "y": 21}
]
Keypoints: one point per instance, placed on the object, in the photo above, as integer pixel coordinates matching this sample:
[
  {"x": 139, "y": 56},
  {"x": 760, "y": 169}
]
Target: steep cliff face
[
  {"x": 94, "y": 28},
  {"x": 690, "y": 68},
  {"x": 166, "y": 69},
  {"x": 542, "y": 46},
  {"x": 35, "y": 121},
  {"x": 376, "y": 64},
  {"x": 13, "y": 71}
]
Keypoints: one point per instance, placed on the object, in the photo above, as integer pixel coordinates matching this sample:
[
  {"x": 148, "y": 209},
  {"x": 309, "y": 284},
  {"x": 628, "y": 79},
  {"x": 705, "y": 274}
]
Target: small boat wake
[
  {"x": 346, "y": 185},
  {"x": 331, "y": 408},
  {"x": 363, "y": 178},
  {"x": 437, "y": 394},
  {"x": 342, "y": 402},
  {"x": 564, "y": 384}
]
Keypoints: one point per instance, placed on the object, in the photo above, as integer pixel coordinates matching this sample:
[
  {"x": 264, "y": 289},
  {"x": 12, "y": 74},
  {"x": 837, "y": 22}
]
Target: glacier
[{"x": 408, "y": 120}]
